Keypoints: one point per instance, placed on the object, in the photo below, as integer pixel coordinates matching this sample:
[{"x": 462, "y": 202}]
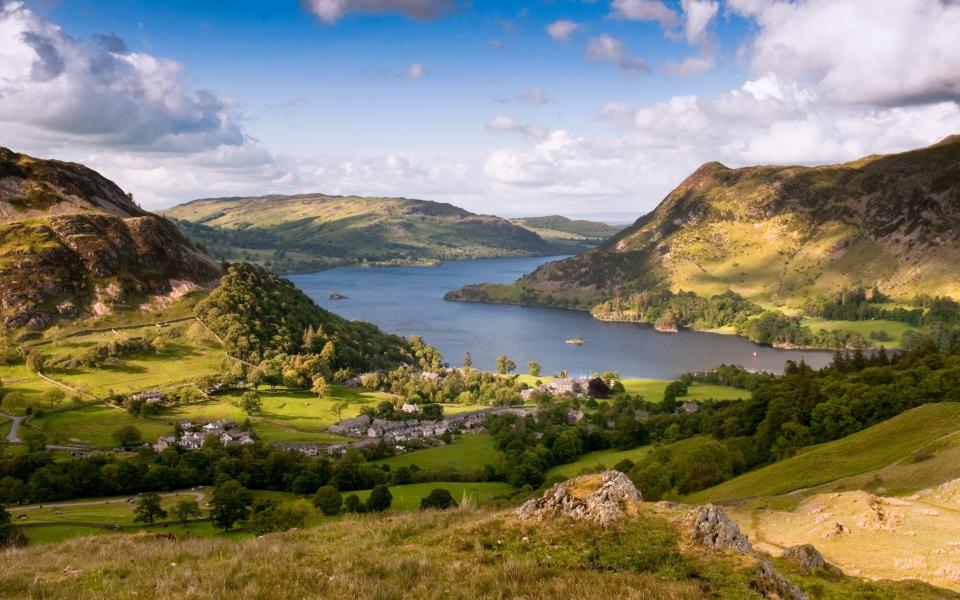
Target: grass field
[
  {"x": 182, "y": 361},
  {"x": 287, "y": 415},
  {"x": 466, "y": 452},
  {"x": 95, "y": 425},
  {"x": 407, "y": 497},
  {"x": 867, "y": 450},
  {"x": 591, "y": 460},
  {"x": 23, "y": 389},
  {"x": 896, "y": 329},
  {"x": 652, "y": 389}
]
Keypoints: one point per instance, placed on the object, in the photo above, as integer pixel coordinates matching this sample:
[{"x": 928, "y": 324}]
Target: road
[
  {"x": 14, "y": 435},
  {"x": 119, "y": 500}
]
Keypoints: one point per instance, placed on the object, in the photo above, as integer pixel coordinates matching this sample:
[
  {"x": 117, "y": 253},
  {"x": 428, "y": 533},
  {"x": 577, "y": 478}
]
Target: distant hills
[
  {"x": 780, "y": 235},
  {"x": 313, "y": 231},
  {"x": 72, "y": 243}
]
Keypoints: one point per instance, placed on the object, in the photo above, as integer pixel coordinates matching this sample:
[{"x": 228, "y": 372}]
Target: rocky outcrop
[
  {"x": 73, "y": 244},
  {"x": 774, "y": 585},
  {"x": 710, "y": 526},
  {"x": 602, "y": 498},
  {"x": 807, "y": 558}
]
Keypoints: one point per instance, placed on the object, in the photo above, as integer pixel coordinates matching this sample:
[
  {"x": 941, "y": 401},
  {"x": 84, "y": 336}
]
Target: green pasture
[{"x": 466, "y": 452}]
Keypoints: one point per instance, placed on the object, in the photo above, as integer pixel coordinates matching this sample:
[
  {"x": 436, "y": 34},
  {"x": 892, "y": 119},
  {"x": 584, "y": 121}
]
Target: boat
[
  {"x": 577, "y": 341},
  {"x": 336, "y": 296}
]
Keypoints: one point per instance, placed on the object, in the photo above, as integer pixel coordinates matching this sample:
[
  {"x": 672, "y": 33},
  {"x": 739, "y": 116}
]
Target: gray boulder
[
  {"x": 774, "y": 585},
  {"x": 602, "y": 498},
  {"x": 807, "y": 558},
  {"x": 710, "y": 526}
]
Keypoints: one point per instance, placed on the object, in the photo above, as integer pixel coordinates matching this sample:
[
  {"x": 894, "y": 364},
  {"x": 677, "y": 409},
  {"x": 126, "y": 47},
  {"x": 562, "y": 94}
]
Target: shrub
[
  {"x": 328, "y": 500},
  {"x": 439, "y": 498}
]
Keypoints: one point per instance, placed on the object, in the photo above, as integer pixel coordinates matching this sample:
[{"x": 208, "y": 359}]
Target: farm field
[
  {"x": 896, "y": 329},
  {"x": 466, "y": 452},
  {"x": 191, "y": 352},
  {"x": 24, "y": 389},
  {"x": 95, "y": 425},
  {"x": 873, "y": 448},
  {"x": 407, "y": 497},
  {"x": 652, "y": 389}
]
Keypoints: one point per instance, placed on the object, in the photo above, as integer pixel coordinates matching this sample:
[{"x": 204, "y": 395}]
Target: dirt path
[{"x": 13, "y": 436}]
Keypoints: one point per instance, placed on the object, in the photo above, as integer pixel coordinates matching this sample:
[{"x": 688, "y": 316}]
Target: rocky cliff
[{"x": 72, "y": 243}]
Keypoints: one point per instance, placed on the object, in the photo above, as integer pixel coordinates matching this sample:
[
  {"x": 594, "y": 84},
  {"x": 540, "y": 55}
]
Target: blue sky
[{"x": 473, "y": 103}]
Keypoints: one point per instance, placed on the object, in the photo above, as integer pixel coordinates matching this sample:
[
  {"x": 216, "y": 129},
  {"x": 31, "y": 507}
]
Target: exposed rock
[
  {"x": 807, "y": 558},
  {"x": 710, "y": 526},
  {"x": 603, "y": 498},
  {"x": 774, "y": 585},
  {"x": 71, "y": 243}
]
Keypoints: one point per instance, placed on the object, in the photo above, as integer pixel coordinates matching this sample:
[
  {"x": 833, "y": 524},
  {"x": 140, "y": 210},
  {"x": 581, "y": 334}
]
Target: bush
[
  {"x": 380, "y": 499},
  {"x": 328, "y": 500},
  {"x": 353, "y": 504},
  {"x": 440, "y": 499}
]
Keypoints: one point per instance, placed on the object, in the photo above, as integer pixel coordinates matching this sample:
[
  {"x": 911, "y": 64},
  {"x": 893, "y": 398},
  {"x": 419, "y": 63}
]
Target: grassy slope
[
  {"x": 466, "y": 452},
  {"x": 341, "y": 230},
  {"x": 867, "y": 450},
  {"x": 407, "y": 497},
  {"x": 864, "y": 328},
  {"x": 652, "y": 389},
  {"x": 95, "y": 425},
  {"x": 453, "y": 554}
]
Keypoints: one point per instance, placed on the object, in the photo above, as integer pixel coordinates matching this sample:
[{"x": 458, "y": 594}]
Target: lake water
[{"x": 409, "y": 301}]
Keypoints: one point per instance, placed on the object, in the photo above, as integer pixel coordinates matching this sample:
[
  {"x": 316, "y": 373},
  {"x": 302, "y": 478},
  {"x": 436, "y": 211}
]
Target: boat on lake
[
  {"x": 337, "y": 296},
  {"x": 577, "y": 341}
]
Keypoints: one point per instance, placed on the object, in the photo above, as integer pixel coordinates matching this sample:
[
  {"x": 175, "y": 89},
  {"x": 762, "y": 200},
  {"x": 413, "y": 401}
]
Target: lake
[{"x": 409, "y": 301}]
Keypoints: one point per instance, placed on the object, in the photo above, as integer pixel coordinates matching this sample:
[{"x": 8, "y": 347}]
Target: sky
[{"x": 588, "y": 108}]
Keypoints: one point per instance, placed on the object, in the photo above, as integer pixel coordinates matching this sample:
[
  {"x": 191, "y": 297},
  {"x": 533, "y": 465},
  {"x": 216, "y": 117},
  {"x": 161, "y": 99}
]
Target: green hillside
[
  {"x": 577, "y": 235},
  {"x": 311, "y": 231},
  {"x": 73, "y": 244},
  {"x": 893, "y": 440},
  {"x": 770, "y": 237}
]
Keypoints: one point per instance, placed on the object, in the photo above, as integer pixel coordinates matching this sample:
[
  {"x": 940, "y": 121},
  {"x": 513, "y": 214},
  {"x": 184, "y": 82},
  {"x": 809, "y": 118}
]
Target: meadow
[
  {"x": 895, "y": 329},
  {"x": 652, "y": 389},
  {"x": 896, "y": 439},
  {"x": 466, "y": 452}
]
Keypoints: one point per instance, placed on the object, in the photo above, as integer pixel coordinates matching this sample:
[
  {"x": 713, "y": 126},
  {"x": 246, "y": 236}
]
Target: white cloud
[
  {"x": 645, "y": 10},
  {"x": 690, "y": 67},
  {"x": 101, "y": 93},
  {"x": 607, "y": 48},
  {"x": 562, "y": 30},
  {"x": 698, "y": 14},
  {"x": 888, "y": 53},
  {"x": 416, "y": 71},
  {"x": 330, "y": 11},
  {"x": 504, "y": 124},
  {"x": 533, "y": 96}
]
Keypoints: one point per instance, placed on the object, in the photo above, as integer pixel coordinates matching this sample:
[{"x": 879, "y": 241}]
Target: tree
[
  {"x": 148, "y": 509},
  {"x": 128, "y": 435},
  {"x": 230, "y": 504},
  {"x": 328, "y": 500},
  {"x": 186, "y": 509},
  {"x": 250, "y": 403},
  {"x": 320, "y": 386},
  {"x": 338, "y": 409},
  {"x": 505, "y": 365},
  {"x": 440, "y": 499},
  {"x": 380, "y": 499},
  {"x": 35, "y": 439},
  {"x": 533, "y": 368},
  {"x": 353, "y": 504},
  {"x": 10, "y": 535},
  {"x": 597, "y": 388}
]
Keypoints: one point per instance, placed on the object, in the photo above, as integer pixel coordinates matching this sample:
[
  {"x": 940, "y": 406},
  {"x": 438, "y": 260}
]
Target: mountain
[
  {"x": 310, "y": 231},
  {"x": 73, "y": 243},
  {"x": 775, "y": 234},
  {"x": 579, "y": 234}
]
